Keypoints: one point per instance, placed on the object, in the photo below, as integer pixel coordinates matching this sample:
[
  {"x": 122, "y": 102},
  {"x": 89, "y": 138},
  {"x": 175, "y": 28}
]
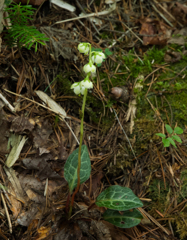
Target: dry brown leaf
[
  {"x": 20, "y": 123},
  {"x": 55, "y": 107},
  {"x": 154, "y": 27},
  {"x": 43, "y": 232}
]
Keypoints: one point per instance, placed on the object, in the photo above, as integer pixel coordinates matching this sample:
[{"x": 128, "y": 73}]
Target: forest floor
[{"x": 145, "y": 43}]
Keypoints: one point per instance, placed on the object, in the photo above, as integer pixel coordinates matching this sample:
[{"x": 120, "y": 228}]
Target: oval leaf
[
  {"x": 172, "y": 142},
  {"x": 166, "y": 142},
  {"x": 177, "y": 138},
  {"x": 126, "y": 219},
  {"x": 118, "y": 198},
  {"x": 161, "y": 135},
  {"x": 169, "y": 129},
  {"x": 70, "y": 167},
  {"x": 178, "y": 130}
]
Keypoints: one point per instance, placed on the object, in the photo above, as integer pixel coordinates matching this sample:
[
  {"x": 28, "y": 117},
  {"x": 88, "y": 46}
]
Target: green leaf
[
  {"x": 161, "y": 135},
  {"x": 108, "y": 52},
  {"x": 126, "y": 219},
  {"x": 171, "y": 141},
  {"x": 178, "y": 130},
  {"x": 168, "y": 128},
  {"x": 177, "y": 138},
  {"x": 118, "y": 198},
  {"x": 70, "y": 167},
  {"x": 166, "y": 142}
]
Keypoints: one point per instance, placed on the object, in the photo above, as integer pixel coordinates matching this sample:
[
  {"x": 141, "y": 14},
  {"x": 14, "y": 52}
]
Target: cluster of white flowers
[
  {"x": 79, "y": 87},
  {"x": 94, "y": 57}
]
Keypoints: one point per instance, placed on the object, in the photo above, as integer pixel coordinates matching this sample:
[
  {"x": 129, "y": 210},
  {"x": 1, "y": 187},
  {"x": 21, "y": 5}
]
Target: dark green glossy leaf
[
  {"x": 70, "y": 167},
  {"x": 126, "y": 219},
  {"x": 118, "y": 198}
]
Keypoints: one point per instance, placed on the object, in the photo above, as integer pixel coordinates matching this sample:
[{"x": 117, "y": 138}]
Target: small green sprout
[{"x": 172, "y": 136}]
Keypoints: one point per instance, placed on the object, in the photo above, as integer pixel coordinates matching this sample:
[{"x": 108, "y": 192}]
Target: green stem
[
  {"x": 79, "y": 154},
  {"x": 90, "y": 55}
]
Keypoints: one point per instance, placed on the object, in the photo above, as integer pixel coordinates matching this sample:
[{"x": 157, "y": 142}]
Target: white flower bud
[
  {"x": 87, "y": 84},
  {"x": 98, "y": 57},
  {"x": 89, "y": 67},
  {"x": 82, "y": 90},
  {"x": 76, "y": 88},
  {"x": 83, "y": 48}
]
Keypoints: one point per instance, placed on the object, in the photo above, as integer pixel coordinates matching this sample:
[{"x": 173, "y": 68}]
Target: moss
[
  {"x": 64, "y": 84},
  {"x": 179, "y": 223},
  {"x": 183, "y": 190},
  {"x": 155, "y": 54},
  {"x": 159, "y": 196}
]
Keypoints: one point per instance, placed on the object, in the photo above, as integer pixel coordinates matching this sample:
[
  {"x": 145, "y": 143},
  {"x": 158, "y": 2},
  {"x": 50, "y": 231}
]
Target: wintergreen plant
[
  {"x": 19, "y": 33},
  {"x": 172, "y": 136},
  {"x": 77, "y": 168}
]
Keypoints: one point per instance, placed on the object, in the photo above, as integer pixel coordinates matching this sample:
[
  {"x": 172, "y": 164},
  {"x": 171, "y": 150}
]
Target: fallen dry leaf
[
  {"x": 26, "y": 217},
  {"x": 55, "y": 107},
  {"x": 40, "y": 164},
  {"x": 152, "y": 27},
  {"x": 172, "y": 57},
  {"x": 41, "y": 134},
  {"x": 20, "y": 123},
  {"x": 43, "y": 232}
]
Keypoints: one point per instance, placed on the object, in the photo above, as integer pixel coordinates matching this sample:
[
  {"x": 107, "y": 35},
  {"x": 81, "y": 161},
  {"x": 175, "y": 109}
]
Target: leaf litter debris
[{"x": 37, "y": 133}]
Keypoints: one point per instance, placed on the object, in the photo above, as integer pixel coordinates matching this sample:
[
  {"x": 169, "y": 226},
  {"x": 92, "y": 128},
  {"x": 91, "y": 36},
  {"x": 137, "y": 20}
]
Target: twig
[
  {"x": 171, "y": 16},
  {"x": 155, "y": 110},
  {"x": 153, "y": 220},
  {"x": 132, "y": 32},
  {"x": 7, "y": 213},
  {"x": 111, "y": 9},
  {"x": 115, "y": 41},
  {"x": 82, "y": 9},
  {"x": 7, "y": 103},
  {"x": 125, "y": 134},
  {"x": 169, "y": 108},
  {"x": 161, "y": 168},
  {"x": 162, "y": 15},
  {"x": 84, "y": 25}
]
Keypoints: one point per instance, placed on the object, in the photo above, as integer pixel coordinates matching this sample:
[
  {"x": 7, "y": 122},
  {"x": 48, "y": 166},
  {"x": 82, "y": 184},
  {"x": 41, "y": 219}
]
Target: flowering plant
[
  {"x": 77, "y": 168},
  {"x": 74, "y": 171}
]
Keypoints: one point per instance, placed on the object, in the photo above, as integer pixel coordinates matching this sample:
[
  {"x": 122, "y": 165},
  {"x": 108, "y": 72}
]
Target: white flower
[
  {"x": 83, "y": 48},
  {"x": 82, "y": 90},
  {"x": 89, "y": 67},
  {"x": 76, "y": 88},
  {"x": 98, "y": 57},
  {"x": 87, "y": 84}
]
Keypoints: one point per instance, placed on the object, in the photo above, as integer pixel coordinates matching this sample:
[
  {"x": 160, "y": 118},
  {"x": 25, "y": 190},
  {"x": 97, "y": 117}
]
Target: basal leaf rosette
[
  {"x": 118, "y": 198},
  {"x": 125, "y": 219}
]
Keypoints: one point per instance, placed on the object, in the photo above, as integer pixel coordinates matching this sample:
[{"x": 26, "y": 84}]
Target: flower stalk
[
  {"x": 82, "y": 88},
  {"x": 79, "y": 154}
]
